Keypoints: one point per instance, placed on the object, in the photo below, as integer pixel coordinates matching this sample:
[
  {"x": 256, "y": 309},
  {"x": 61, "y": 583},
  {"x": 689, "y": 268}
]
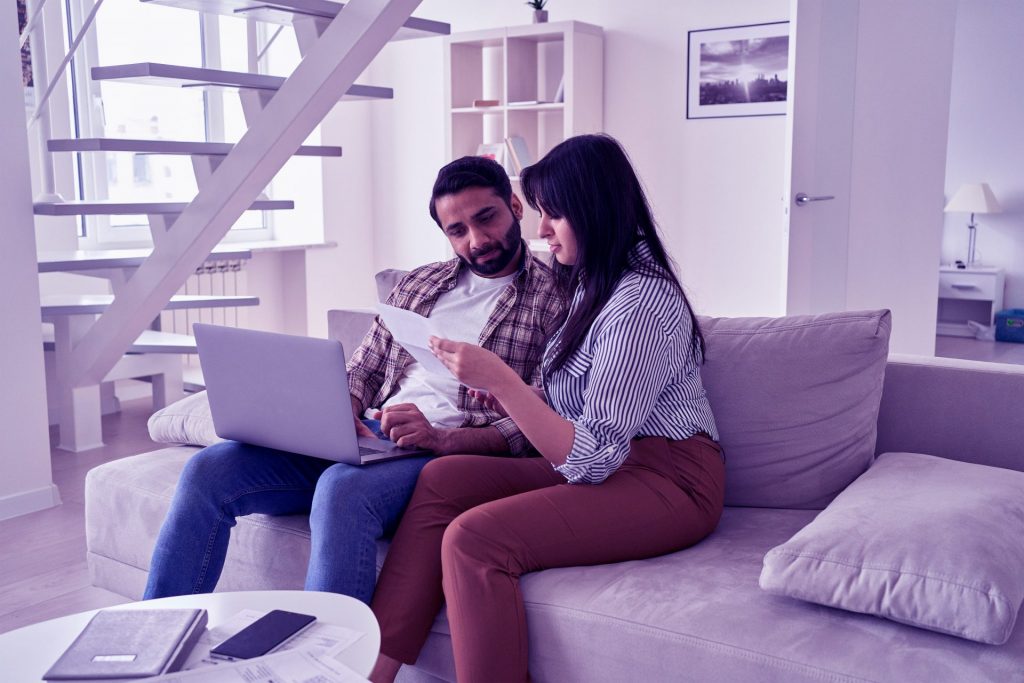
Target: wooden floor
[
  {"x": 43, "y": 554},
  {"x": 975, "y": 349}
]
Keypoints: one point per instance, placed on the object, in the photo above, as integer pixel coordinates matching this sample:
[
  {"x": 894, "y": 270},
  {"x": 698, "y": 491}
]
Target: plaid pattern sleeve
[{"x": 527, "y": 313}]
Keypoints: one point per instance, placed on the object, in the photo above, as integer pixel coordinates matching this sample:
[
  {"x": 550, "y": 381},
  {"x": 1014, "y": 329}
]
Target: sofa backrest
[
  {"x": 796, "y": 403},
  {"x": 958, "y": 409}
]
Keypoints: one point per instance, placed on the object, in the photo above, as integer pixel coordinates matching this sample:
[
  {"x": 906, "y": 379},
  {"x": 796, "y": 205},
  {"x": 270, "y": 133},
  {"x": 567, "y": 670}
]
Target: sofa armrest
[
  {"x": 349, "y": 326},
  {"x": 957, "y": 409}
]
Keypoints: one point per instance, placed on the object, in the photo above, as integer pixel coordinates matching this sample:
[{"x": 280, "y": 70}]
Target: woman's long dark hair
[{"x": 589, "y": 181}]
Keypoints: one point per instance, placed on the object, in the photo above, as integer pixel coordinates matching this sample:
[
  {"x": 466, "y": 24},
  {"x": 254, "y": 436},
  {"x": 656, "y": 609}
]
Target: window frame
[{"x": 86, "y": 115}]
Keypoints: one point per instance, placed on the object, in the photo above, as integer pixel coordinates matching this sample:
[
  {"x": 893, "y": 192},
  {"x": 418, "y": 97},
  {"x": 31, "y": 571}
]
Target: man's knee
[
  {"x": 339, "y": 488},
  {"x": 210, "y": 465}
]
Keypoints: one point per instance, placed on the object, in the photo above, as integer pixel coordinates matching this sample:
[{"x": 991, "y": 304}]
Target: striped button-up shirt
[
  {"x": 528, "y": 311},
  {"x": 633, "y": 375}
]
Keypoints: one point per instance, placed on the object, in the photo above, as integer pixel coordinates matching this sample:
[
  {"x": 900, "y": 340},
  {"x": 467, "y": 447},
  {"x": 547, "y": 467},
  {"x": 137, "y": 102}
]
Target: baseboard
[{"x": 22, "y": 503}]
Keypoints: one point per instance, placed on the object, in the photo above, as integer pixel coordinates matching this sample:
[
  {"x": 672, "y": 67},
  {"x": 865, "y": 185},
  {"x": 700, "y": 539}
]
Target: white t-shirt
[{"x": 462, "y": 313}]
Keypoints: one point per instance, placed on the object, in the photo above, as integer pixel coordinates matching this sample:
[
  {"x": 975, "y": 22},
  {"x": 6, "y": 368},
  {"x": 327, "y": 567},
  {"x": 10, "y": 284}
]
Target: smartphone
[{"x": 263, "y": 635}]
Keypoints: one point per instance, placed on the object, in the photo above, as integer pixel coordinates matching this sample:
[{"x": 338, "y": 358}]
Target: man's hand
[
  {"x": 408, "y": 427},
  {"x": 361, "y": 429}
]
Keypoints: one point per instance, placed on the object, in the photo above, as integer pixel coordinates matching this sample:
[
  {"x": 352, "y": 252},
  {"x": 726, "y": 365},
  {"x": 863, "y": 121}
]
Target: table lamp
[{"x": 973, "y": 198}]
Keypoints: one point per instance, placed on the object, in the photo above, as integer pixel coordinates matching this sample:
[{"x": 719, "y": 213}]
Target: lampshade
[{"x": 973, "y": 198}]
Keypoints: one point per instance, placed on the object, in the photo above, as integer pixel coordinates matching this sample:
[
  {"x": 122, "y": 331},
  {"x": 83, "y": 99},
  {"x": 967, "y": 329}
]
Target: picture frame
[{"x": 737, "y": 71}]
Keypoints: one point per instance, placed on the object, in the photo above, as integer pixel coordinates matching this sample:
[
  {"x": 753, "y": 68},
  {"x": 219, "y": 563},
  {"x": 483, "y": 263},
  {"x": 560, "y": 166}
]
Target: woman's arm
[{"x": 550, "y": 433}]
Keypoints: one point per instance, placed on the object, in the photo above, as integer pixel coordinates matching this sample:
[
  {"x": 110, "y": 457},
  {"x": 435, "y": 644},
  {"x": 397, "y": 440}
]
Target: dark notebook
[{"x": 126, "y": 644}]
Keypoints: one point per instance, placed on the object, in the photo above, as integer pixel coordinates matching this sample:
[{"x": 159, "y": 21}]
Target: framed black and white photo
[{"x": 738, "y": 71}]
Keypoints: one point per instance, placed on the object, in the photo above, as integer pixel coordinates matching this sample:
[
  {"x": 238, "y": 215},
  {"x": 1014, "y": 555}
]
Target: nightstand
[{"x": 974, "y": 293}]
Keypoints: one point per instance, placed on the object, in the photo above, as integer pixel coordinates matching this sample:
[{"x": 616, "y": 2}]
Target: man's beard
[{"x": 506, "y": 249}]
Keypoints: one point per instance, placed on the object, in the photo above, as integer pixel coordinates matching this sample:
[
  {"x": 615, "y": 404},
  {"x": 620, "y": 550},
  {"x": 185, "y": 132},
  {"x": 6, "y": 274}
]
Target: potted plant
[{"x": 540, "y": 15}]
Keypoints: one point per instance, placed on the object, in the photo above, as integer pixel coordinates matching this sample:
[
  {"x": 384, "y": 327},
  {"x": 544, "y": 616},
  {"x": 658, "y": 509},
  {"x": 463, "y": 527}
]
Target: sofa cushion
[
  {"x": 796, "y": 402},
  {"x": 187, "y": 421},
  {"x": 918, "y": 539}
]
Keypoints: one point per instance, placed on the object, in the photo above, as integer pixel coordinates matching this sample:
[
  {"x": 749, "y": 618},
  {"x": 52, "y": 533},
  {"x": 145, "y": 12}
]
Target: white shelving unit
[{"x": 523, "y": 64}]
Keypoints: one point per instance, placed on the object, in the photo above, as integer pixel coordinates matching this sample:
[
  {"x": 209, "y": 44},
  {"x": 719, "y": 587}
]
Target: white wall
[
  {"x": 715, "y": 184},
  {"x": 986, "y": 135},
  {"x": 899, "y": 131},
  {"x": 26, "y": 482}
]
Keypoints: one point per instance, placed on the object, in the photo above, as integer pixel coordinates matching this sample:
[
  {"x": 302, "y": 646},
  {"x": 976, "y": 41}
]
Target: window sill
[{"x": 278, "y": 245}]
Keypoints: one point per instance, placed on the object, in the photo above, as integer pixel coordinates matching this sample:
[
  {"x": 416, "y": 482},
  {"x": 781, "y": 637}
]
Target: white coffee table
[{"x": 26, "y": 654}]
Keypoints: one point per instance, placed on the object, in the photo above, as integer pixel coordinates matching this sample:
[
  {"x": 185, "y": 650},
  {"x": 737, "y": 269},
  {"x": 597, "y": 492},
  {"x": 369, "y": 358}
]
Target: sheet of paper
[
  {"x": 290, "y": 666},
  {"x": 412, "y": 331},
  {"x": 321, "y": 638}
]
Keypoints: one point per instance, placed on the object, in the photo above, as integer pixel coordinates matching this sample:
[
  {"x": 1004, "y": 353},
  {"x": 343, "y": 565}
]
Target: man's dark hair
[{"x": 470, "y": 172}]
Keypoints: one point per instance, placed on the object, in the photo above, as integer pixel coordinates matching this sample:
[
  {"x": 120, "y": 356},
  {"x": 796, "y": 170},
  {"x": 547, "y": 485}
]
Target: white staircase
[{"x": 99, "y": 339}]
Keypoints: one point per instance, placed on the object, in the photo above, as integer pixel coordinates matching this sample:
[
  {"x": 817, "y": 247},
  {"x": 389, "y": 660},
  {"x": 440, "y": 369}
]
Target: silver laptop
[{"x": 285, "y": 392}]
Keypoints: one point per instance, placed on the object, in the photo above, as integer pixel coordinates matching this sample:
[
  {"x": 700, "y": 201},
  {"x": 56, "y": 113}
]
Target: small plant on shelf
[{"x": 540, "y": 15}]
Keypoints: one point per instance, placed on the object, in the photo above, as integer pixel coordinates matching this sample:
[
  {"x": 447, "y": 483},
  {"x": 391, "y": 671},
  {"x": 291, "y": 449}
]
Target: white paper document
[
  {"x": 412, "y": 331},
  {"x": 289, "y": 666}
]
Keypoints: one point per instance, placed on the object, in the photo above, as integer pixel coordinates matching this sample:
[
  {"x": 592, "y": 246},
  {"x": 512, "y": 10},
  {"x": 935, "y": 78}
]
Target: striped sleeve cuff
[
  {"x": 588, "y": 462},
  {"x": 517, "y": 443}
]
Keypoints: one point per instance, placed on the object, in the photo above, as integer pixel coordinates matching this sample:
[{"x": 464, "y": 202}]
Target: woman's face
[{"x": 560, "y": 237}]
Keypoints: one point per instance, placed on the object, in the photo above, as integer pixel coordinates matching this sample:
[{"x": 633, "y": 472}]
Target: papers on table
[
  {"x": 290, "y": 666},
  {"x": 313, "y": 652}
]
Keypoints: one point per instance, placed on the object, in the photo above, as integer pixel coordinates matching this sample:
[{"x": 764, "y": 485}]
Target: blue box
[{"x": 1010, "y": 325}]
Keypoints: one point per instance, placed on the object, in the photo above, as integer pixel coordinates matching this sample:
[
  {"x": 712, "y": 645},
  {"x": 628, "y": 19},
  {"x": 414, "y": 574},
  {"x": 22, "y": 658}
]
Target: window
[{"x": 126, "y": 32}]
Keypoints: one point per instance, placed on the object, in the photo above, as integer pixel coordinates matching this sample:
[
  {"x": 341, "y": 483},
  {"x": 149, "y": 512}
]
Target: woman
[{"x": 630, "y": 468}]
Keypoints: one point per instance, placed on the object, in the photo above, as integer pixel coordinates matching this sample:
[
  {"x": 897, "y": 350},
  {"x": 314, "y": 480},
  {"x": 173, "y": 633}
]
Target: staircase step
[
  {"x": 111, "y": 208},
  {"x": 284, "y": 11},
  {"x": 150, "y": 341},
  {"x": 152, "y": 73},
  {"x": 193, "y": 378},
  {"x": 55, "y": 305},
  {"x": 71, "y": 261},
  {"x": 169, "y": 147}
]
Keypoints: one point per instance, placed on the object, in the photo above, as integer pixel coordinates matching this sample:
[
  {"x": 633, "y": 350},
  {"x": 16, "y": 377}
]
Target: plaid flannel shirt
[{"x": 529, "y": 310}]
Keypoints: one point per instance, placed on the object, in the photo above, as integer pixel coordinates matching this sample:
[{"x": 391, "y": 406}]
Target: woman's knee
[
  {"x": 478, "y": 535},
  {"x": 446, "y": 478}
]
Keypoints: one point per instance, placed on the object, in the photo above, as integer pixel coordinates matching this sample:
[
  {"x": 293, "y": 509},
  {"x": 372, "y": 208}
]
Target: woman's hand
[
  {"x": 473, "y": 365},
  {"x": 491, "y": 403}
]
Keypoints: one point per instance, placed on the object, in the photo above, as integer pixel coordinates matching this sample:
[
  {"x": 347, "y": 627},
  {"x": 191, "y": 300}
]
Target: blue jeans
[{"x": 349, "y": 508}]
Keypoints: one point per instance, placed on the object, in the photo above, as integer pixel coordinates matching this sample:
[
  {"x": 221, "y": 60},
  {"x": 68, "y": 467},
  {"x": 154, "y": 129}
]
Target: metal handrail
[
  {"x": 42, "y": 100},
  {"x": 31, "y": 25}
]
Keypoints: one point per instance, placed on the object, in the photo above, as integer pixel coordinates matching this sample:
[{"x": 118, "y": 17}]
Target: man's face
[{"x": 484, "y": 233}]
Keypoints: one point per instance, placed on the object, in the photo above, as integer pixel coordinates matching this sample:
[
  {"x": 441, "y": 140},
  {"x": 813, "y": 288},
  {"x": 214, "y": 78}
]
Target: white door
[{"x": 867, "y": 128}]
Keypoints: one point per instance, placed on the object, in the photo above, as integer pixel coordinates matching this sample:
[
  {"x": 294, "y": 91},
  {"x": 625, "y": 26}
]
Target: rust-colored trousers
[{"x": 476, "y": 524}]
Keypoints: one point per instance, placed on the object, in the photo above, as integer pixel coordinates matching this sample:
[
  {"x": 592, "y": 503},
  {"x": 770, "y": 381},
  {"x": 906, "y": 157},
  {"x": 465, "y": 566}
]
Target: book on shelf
[
  {"x": 518, "y": 153},
  {"x": 492, "y": 150},
  {"x": 485, "y": 103},
  {"x": 527, "y": 103},
  {"x": 130, "y": 643},
  {"x": 560, "y": 92}
]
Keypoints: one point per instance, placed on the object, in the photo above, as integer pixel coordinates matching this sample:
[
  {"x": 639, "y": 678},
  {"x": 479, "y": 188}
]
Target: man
[{"x": 495, "y": 292}]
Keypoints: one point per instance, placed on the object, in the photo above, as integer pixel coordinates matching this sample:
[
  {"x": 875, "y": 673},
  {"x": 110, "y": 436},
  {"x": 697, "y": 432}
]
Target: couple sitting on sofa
[{"x": 629, "y": 465}]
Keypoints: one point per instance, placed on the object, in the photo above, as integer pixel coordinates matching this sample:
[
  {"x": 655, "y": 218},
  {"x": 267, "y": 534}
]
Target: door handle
[{"x": 803, "y": 198}]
